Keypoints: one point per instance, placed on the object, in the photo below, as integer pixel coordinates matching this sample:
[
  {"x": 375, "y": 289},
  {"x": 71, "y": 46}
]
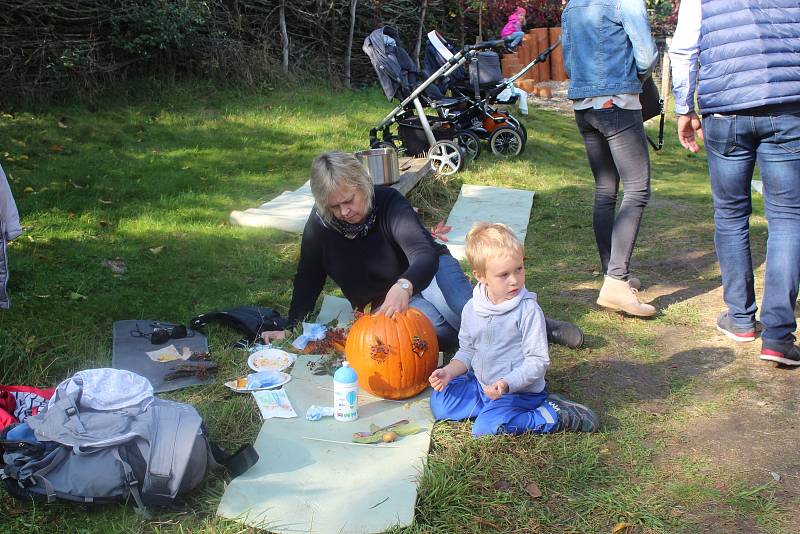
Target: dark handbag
[
  {"x": 652, "y": 106},
  {"x": 249, "y": 320}
]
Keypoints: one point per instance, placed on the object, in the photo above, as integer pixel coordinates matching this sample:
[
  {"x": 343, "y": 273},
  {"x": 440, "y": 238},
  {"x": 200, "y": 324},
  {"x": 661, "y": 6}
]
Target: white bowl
[{"x": 270, "y": 360}]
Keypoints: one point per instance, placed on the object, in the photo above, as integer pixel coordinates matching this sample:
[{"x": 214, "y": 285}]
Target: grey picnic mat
[{"x": 129, "y": 354}]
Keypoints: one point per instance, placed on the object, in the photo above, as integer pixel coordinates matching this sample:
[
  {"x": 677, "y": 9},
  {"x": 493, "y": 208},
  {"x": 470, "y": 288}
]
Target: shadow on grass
[{"x": 608, "y": 383}]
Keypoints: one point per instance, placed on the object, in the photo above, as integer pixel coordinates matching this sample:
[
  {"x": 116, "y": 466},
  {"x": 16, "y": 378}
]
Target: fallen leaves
[
  {"x": 376, "y": 434},
  {"x": 532, "y": 488},
  {"x": 74, "y": 295},
  {"x": 621, "y": 528},
  {"x": 502, "y": 485},
  {"x": 439, "y": 230},
  {"x": 156, "y": 250},
  {"x": 117, "y": 265},
  {"x": 56, "y": 148}
]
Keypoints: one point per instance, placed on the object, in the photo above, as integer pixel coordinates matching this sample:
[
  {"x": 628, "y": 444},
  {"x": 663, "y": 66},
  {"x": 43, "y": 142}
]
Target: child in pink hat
[{"x": 513, "y": 28}]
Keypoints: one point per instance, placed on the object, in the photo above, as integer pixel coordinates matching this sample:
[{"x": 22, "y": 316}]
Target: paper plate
[
  {"x": 258, "y": 381},
  {"x": 270, "y": 360}
]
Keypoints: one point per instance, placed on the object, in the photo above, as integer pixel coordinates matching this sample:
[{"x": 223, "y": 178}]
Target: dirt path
[
  {"x": 736, "y": 426},
  {"x": 739, "y": 424}
]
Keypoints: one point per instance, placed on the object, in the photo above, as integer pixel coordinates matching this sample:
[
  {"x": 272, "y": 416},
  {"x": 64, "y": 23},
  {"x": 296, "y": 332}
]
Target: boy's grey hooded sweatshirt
[{"x": 506, "y": 340}]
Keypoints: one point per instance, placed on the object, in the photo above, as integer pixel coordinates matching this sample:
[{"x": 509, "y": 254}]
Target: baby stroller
[
  {"x": 438, "y": 136},
  {"x": 482, "y": 87}
]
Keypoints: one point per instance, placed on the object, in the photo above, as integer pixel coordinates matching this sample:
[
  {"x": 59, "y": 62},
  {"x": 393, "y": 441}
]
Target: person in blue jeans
[
  {"x": 370, "y": 241},
  {"x": 748, "y": 91},
  {"x": 608, "y": 51},
  {"x": 497, "y": 375}
]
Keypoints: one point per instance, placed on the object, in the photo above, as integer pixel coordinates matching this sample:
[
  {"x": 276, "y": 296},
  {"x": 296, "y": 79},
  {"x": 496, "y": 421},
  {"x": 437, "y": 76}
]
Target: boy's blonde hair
[
  {"x": 330, "y": 171},
  {"x": 490, "y": 240}
]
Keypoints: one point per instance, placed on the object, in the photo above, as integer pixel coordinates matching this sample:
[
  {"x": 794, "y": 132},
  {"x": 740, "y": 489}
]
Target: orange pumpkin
[{"x": 393, "y": 356}]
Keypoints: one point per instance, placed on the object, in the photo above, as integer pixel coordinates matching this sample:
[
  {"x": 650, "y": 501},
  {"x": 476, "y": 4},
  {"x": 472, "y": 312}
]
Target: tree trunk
[
  {"x": 422, "y": 14},
  {"x": 284, "y": 36},
  {"x": 349, "y": 51},
  {"x": 480, "y": 22},
  {"x": 462, "y": 35}
]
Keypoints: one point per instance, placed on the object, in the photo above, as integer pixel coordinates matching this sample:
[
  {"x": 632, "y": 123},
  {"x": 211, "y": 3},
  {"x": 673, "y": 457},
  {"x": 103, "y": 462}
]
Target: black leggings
[{"x": 616, "y": 147}]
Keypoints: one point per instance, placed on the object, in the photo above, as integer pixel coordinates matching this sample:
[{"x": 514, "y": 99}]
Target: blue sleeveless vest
[{"x": 749, "y": 54}]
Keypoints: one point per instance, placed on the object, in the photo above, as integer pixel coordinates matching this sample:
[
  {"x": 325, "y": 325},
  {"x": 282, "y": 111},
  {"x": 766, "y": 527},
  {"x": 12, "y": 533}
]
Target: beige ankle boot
[{"x": 618, "y": 295}]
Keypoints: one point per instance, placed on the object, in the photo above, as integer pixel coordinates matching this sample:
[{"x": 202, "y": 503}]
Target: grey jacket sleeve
[
  {"x": 466, "y": 346},
  {"x": 8, "y": 209},
  {"x": 534, "y": 350}
]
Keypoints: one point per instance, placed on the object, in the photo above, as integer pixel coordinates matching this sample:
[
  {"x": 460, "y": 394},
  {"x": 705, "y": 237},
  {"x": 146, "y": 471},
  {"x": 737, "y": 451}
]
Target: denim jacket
[{"x": 608, "y": 47}]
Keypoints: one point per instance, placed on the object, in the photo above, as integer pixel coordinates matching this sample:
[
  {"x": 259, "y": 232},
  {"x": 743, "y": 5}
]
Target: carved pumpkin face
[{"x": 393, "y": 356}]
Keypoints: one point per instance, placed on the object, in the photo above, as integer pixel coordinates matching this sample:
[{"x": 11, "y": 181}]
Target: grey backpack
[{"x": 104, "y": 437}]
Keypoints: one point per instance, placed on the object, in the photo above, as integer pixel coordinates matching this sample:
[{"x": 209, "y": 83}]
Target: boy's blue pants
[{"x": 513, "y": 413}]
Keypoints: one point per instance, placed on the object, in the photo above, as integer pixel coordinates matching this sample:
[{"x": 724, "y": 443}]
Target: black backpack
[{"x": 249, "y": 320}]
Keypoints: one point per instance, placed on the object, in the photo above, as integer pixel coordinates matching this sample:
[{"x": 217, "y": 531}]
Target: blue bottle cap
[{"x": 345, "y": 374}]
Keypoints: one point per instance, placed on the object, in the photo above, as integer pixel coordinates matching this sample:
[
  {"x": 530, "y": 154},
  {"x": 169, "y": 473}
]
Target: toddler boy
[{"x": 497, "y": 375}]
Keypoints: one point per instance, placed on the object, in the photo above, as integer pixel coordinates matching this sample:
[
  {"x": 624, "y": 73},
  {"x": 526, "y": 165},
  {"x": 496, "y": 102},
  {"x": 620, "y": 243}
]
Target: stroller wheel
[
  {"x": 446, "y": 157},
  {"x": 513, "y": 121},
  {"x": 506, "y": 142},
  {"x": 470, "y": 144}
]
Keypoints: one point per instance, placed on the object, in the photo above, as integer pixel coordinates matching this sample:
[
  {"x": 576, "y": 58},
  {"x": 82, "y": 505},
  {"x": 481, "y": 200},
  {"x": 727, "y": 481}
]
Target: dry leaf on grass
[
  {"x": 103, "y": 201},
  {"x": 55, "y": 149},
  {"x": 502, "y": 485},
  {"x": 28, "y": 189},
  {"x": 62, "y": 125},
  {"x": 533, "y": 490},
  {"x": 74, "y": 295},
  {"x": 117, "y": 265},
  {"x": 156, "y": 250},
  {"x": 622, "y": 528}
]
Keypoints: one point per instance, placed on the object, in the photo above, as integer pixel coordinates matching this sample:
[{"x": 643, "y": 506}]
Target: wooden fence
[{"x": 535, "y": 42}]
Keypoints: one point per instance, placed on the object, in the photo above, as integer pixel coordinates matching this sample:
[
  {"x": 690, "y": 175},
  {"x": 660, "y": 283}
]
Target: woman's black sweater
[{"x": 365, "y": 268}]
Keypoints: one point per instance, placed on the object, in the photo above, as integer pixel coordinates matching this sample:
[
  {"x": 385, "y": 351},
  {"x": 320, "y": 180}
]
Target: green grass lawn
[{"x": 151, "y": 179}]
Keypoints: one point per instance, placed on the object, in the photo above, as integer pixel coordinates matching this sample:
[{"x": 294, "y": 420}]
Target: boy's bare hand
[
  {"x": 439, "y": 379},
  {"x": 496, "y": 390}
]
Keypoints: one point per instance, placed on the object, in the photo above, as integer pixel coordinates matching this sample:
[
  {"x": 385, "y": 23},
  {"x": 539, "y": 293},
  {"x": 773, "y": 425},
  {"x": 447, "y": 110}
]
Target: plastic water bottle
[{"x": 345, "y": 393}]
